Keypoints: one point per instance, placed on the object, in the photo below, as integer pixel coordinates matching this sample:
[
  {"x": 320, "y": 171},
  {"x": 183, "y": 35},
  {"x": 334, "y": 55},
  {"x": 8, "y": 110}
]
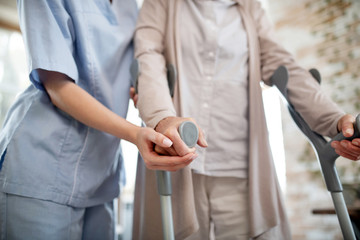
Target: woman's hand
[
  {"x": 346, "y": 148},
  {"x": 133, "y": 96},
  {"x": 147, "y": 138},
  {"x": 169, "y": 127}
]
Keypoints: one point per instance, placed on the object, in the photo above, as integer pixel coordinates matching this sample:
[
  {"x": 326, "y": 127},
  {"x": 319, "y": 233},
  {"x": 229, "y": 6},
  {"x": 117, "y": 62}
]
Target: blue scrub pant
[{"x": 29, "y": 218}]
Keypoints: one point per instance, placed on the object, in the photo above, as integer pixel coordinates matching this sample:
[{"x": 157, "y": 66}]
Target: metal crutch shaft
[
  {"x": 343, "y": 216},
  {"x": 189, "y": 133}
]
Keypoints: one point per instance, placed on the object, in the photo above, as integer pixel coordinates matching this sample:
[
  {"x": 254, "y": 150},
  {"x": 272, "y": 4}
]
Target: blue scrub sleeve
[{"x": 48, "y": 34}]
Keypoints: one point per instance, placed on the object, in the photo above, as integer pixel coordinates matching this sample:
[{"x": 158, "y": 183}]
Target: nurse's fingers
[
  {"x": 165, "y": 151},
  {"x": 170, "y": 169},
  {"x": 159, "y": 139},
  {"x": 161, "y": 151},
  {"x": 146, "y": 138},
  {"x": 168, "y": 163}
]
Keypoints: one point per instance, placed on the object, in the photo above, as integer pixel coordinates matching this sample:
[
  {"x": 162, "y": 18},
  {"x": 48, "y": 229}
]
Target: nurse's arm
[{"x": 78, "y": 103}]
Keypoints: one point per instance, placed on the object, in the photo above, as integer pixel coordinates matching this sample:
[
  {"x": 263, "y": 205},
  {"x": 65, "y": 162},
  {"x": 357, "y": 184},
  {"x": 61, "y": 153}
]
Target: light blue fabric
[
  {"x": 30, "y": 218},
  {"x": 49, "y": 155}
]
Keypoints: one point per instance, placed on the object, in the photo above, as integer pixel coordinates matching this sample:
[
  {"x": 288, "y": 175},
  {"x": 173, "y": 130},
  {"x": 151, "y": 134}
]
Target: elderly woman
[{"x": 222, "y": 50}]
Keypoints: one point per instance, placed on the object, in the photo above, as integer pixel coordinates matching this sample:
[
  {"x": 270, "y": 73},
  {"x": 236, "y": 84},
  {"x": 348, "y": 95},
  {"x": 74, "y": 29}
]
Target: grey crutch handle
[
  {"x": 326, "y": 154},
  {"x": 189, "y": 133},
  {"x": 135, "y": 73}
]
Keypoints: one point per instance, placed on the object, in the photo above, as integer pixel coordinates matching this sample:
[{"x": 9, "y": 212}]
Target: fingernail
[
  {"x": 349, "y": 131},
  {"x": 167, "y": 142},
  {"x": 356, "y": 143},
  {"x": 343, "y": 144}
]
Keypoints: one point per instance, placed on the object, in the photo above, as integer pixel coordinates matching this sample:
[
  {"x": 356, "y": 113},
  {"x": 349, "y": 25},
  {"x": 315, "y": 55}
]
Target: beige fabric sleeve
[
  {"x": 154, "y": 101},
  {"x": 317, "y": 109}
]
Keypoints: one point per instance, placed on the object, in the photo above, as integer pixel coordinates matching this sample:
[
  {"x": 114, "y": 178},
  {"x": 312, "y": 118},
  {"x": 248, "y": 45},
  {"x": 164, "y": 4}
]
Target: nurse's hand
[
  {"x": 147, "y": 138},
  {"x": 169, "y": 127},
  {"x": 346, "y": 148}
]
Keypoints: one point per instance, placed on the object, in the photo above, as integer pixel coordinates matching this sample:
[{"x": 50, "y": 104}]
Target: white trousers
[{"x": 221, "y": 207}]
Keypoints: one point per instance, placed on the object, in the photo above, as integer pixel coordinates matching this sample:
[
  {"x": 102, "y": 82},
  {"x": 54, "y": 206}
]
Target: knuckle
[
  {"x": 171, "y": 133},
  {"x": 183, "y": 152},
  {"x": 147, "y": 162},
  {"x": 157, "y": 138},
  {"x": 170, "y": 163},
  {"x": 190, "y": 119}
]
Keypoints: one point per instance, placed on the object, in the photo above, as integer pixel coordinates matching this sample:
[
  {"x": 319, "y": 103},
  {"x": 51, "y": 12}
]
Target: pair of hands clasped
[{"x": 163, "y": 148}]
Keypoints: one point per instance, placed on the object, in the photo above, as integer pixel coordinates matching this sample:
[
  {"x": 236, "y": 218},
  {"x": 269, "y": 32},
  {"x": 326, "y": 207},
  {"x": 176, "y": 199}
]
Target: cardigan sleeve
[
  {"x": 317, "y": 109},
  {"x": 154, "y": 101}
]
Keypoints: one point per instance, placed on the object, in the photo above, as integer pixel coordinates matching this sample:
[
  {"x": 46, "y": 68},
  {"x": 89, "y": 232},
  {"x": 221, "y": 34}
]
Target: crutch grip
[
  {"x": 135, "y": 73},
  {"x": 327, "y": 157},
  {"x": 189, "y": 133}
]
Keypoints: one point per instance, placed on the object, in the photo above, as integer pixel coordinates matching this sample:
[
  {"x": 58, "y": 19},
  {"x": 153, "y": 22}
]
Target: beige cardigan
[{"x": 157, "y": 43}]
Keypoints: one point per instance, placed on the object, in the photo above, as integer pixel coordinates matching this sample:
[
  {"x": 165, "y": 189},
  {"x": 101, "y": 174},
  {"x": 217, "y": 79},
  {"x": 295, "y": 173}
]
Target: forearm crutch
[
  {"x": 325, "y": 153},
  {"x": 189, "y": 133}
]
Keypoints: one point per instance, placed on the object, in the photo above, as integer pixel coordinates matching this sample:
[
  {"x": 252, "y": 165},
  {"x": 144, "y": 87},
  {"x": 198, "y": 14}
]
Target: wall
[
  {"x": 324, "y": 34},
  {"x": 13, "y": 69}
]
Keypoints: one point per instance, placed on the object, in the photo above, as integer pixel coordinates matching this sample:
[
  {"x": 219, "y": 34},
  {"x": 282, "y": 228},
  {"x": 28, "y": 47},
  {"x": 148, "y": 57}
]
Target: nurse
[{"x": 60, "y": 164}]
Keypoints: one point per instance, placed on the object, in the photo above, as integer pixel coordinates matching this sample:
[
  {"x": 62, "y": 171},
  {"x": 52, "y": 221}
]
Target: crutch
[
  {"x": 325, "y": 153},
  {"x": 189, "y": 133}
]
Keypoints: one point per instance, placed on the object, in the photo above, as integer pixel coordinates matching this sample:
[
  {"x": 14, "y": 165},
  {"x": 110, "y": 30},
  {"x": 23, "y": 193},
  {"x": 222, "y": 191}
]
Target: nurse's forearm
[{"x": 78, "y": 103}]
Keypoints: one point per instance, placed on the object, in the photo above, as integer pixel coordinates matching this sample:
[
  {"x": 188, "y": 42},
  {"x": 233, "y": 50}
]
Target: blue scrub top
[{"x": 45, "y": 153}]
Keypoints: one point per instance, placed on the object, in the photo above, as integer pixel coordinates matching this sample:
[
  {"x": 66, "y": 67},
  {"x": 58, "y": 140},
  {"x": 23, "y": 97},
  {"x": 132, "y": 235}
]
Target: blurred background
[{"x": 322, "y": 34}]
